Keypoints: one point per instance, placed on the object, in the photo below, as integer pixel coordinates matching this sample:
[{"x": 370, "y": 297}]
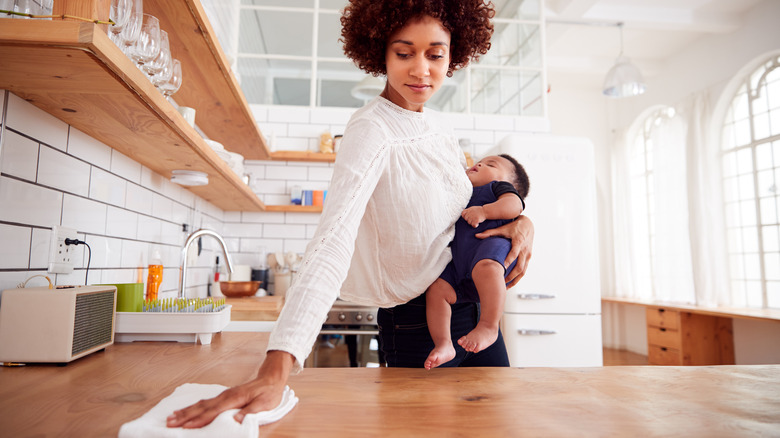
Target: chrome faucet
[{"x": 185, "y": 249}]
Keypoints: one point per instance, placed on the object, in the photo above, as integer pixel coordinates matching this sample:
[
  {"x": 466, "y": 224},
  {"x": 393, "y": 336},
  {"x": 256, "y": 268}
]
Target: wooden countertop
[
  {"x": 265, "y": 308},
  {"x": 95, "y": 395},
  {"x": 726, "y": 312}
]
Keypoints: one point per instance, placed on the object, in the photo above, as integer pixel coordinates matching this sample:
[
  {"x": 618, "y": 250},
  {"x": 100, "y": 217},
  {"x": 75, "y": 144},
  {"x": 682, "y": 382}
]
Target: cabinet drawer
[
  {"x": 664, "y": 337},
  {"x": 663, "y": 356},
  {"x": 553, "y": 340},
  {"x": 663, "y": 317}
]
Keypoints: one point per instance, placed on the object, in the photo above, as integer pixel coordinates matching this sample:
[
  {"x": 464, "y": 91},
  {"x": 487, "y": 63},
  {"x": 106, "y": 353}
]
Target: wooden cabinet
[{"x": 676, "y": 337}]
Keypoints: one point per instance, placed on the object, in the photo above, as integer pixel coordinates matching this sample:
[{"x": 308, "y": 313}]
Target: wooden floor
[
  {"x": 614, "y": 357},
  {"x": 337, "y": 357}
]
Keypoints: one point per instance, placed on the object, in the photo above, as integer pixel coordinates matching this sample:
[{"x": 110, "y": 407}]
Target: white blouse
[{"x": 398, "y": 187}]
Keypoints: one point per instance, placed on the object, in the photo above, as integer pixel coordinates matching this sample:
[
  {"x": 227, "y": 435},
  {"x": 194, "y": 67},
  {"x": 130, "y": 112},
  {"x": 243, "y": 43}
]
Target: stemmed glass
[
  {"x": 130, "y": 32},
  {"x": 173, "y": 84},
  {"x": 120, "y": 14},
  {"x": 164, "y": 57},
  {"x": 147, "y": 46}
]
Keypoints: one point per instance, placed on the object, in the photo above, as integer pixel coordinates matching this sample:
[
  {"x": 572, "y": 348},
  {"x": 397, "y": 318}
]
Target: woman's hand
[
  {"x": 521, "y": 233},
  {"x": 263, "y": 393}
]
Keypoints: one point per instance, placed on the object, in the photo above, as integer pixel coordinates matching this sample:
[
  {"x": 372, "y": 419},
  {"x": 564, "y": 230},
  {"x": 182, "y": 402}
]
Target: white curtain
[
  {"x": 624, "y": 260},
  {"x": 672, "y": 270},
  {"x": 707, "y": 225}
]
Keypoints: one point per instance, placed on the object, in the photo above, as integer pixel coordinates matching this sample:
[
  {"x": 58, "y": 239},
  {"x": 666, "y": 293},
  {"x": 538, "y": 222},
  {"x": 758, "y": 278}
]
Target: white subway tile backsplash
[
  {"x": 307, "y": 130},
  {"x": 331, "y": 116},
  {"x": 39, "y": 248},
  {"x": 125, "y": 167},
  {"x": 106, "y": 187},
  {"x": 19, "y": 157},
  {"x": 232, "y": 216},
  {"x": 83, "y": 215},
  {"x": 63, "y": 172},
  {"x": 270, "y": 186},
  {"x": 26, "y": 203},
  {"x": 233, "y": 229},
  {"x": 172, "y": 234},
  {"x": 139, "y": 199},
  {"x": 284, "y": 231},
  {"x": 162, "y": 207},
  {"x": 106, "y": 251},
  {"x": 116, "y": 276},
  {"x": 152, "y": 180},
  {"x": 37, "y": 123},
  {"x": 121, "y": 223},
  {"x": 233, "y": 244},
  {"x": 281, "y": 114},
  {"x": 10, "y": 279},
  {"x": 303, "y": 218},
  {"x": 134, "y": 254},
  {"x": 321, "y": 174},
  {"x": 15, "y": 248},
  {"x": 149, "y": 228},
  {"x": 285, "y": 173},
  {"x": 259, "y": 112},
  {"x": 461, "y": 121},
  {"x": 89, "y": 149},
  {"x": 295, "y": 245},
  {"x": 293, "y": 144},
  {"x": 259, "y": 217}
]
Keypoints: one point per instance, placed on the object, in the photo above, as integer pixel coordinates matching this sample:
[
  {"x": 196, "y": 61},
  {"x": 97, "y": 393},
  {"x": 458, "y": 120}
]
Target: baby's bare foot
[
  {"x": 440, "y": 355},
  {"x": 478, "y": 339}
]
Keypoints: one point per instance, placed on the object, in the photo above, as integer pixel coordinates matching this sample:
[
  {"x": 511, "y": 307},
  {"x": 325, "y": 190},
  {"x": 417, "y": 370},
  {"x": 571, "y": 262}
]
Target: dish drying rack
[{"x": 176, "y": 320}]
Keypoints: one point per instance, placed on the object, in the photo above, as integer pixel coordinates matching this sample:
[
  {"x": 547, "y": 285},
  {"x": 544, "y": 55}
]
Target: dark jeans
[{"x": 406, "y": 342}]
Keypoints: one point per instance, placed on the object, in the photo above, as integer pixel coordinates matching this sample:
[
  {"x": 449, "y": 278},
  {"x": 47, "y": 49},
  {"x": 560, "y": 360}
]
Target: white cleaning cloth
[{"x": 152, "y": 423}]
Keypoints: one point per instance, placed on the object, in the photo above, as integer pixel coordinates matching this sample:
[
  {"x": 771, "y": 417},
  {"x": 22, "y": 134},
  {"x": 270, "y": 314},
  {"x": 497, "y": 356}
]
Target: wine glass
[
  {"x": 147, "y": 46},
  {"x": 130, "y": 32},
  {"x": 173, "y": 84},
  {"x": 120, "y": 13},
  {"x": 158, "y": 63},
  {"x": 164, "y": 74}
]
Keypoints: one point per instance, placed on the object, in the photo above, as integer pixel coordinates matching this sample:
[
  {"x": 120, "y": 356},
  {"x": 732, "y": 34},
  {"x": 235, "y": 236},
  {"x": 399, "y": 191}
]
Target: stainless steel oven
[{"x": 348, "y": 338}]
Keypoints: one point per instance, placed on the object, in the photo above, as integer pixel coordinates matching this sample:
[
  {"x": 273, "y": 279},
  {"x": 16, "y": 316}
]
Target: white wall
[{"x": 707, "y": 65}]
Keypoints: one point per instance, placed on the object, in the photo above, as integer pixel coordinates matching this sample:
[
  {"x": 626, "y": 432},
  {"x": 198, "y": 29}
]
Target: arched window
[{"x": 751, "y": 187}]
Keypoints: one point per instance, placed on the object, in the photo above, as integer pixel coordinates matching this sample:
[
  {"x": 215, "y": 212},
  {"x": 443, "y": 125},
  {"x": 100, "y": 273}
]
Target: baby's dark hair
[
  {"x": 520, "y": 180},
  {"x": 366, "y": 26}
]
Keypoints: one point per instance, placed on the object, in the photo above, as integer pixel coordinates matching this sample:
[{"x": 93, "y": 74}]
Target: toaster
[{"x": 56, "y": 325}]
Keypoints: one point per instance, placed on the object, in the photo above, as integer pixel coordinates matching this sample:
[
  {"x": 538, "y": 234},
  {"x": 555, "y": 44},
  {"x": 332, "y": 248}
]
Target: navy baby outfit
[{"x": 467, "y": 249}]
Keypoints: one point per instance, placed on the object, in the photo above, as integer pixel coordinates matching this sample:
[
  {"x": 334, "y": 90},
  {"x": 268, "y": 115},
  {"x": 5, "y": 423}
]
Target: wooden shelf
[
  {"x": 74, "y": 72},
  {"x": 295, "y": 208},
  {"x": 303, "y": 156}
]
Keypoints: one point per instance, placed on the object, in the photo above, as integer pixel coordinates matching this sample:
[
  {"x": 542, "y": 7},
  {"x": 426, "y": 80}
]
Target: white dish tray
[{"x": 170, "y": 326}]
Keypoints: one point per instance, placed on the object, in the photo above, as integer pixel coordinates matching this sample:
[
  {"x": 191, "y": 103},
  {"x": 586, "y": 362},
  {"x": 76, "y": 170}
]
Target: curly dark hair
[{"x": 366, "y": 26}]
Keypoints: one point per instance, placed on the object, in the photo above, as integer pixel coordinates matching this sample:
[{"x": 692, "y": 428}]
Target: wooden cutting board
[{"x": 255, "y": 308}]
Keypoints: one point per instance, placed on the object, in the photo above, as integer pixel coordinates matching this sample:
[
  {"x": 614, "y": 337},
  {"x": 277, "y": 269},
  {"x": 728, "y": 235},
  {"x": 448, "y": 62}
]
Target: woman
[{"x": 398, "y": 187}]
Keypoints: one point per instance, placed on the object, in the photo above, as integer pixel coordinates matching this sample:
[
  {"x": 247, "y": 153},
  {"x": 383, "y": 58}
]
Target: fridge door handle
[
  {"x": 535, "y": 296},
  {"x": 534, "y": 332}
]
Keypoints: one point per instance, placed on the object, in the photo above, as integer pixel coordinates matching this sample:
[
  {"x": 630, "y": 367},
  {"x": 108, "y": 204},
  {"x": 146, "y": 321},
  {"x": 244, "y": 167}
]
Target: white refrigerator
[{"x": 552, "y": 317}]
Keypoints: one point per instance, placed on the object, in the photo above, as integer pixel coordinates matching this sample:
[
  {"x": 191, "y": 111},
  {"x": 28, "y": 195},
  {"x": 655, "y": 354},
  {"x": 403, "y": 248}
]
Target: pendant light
[
  {"x": 368, "y": 88},
  {"x": 623, "y": 79}
]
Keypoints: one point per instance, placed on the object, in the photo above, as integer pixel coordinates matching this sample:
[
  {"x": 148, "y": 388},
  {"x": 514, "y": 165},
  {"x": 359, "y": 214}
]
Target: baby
[{"x": 476, "y": 272}]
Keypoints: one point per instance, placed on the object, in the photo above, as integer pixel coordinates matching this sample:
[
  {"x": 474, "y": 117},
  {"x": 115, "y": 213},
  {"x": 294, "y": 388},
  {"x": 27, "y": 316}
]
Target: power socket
[{"x": 61, "y": 256}]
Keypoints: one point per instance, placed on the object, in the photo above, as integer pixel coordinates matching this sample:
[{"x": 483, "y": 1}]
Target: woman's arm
[{"x": 521, "y": 233}]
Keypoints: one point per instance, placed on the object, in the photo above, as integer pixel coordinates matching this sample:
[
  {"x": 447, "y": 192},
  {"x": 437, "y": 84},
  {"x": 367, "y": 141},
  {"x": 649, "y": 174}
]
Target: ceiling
[{"x": 583, "y": 40}]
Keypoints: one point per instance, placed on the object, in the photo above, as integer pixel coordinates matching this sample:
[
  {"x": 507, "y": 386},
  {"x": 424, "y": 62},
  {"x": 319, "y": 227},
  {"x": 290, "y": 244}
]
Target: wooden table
[{"x": 95, "y": 395}]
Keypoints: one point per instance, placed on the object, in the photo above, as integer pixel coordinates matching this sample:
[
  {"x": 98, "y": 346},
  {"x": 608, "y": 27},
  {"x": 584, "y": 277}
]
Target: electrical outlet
[{"x": 61, "y": 256}]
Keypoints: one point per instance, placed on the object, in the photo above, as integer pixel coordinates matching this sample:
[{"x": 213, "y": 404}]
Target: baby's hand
[{"x": 474, "y": 215}]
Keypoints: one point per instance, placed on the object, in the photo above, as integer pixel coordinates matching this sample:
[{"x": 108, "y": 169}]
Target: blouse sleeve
[{"x": 358, "y": 167}]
